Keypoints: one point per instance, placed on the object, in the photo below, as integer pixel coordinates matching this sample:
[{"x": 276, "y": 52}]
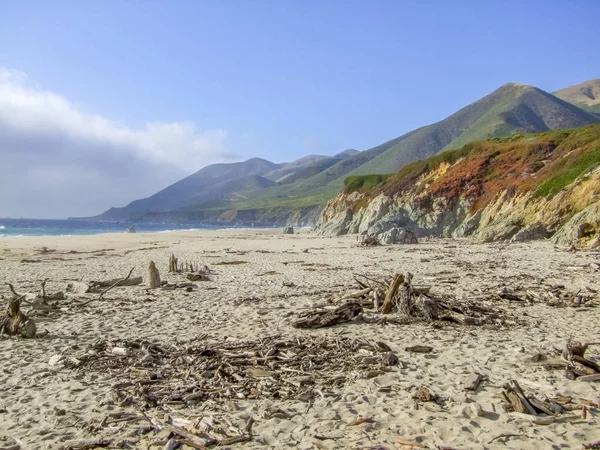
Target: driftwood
[
  {"x": 473, "y": 382},
  {"x": 153, "y": 275},
  {"x": 320, "y": 319},
  {"x": 416, "y": 303},
  {"x": 96, "y": 286},
  {"x": 515, "y": 399},
  {"x": 127, "y": 281},
  {"x": 369, "y": 241},
  {"x": 539, "y": 411},
  {"x": 419, "y": 349},
  {"x": 200, "y": 274},
  {"x": 300, "y": 368},
  {"x": 389, "y": 302},
  {"x": 578, "y": 366},
  {"x": 173, "y": 264},
  {"x": 181, "y": 267},
  {"x": 13, "y": 321}
]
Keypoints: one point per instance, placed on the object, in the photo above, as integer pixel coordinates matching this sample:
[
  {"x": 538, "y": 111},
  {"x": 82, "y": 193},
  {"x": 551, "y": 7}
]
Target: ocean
[{"x": 42, "y": 227}]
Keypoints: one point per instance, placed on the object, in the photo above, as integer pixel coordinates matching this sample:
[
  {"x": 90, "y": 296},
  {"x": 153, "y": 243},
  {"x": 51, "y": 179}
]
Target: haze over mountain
[{"x": 216, "y": 192}]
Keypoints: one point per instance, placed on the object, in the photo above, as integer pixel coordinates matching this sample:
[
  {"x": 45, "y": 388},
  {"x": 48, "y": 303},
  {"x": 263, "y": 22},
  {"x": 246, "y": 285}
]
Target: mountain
[
  {"x": 513, "y": 108},
  {"x": 311, "y": 181},
  {"x": 346, "y": 153},
  {"x": 294, "y": 166},
  {"x": 585, "y": 95},
  {"x": 521, "y": 187},
  {"x": 205, "y": 184}
]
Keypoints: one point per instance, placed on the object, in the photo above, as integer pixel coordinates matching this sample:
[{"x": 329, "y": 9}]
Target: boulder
[
  {"x": 288, "y": 230},
  {"x": 532, "y": 233},
  {"x": 397, "y": 235}
]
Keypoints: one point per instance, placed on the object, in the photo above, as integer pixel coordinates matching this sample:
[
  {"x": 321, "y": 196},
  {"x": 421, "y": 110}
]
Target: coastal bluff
[{"x": 520, "y": 188}]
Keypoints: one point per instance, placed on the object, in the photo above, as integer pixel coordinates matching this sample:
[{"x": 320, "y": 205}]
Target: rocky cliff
[{"x": 518, "y": 188}]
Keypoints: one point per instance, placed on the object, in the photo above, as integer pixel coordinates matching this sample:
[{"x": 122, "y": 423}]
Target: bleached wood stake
[
  {"x": 388, "y": 303},
  {"x": 153, "y": 275}
]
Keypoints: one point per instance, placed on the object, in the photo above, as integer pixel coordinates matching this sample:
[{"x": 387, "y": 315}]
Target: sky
[{"x": 104, "y": 102}]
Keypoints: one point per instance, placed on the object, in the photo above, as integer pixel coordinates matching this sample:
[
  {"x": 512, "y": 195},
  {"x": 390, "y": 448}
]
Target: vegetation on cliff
[{"x": 542, "y": 163}]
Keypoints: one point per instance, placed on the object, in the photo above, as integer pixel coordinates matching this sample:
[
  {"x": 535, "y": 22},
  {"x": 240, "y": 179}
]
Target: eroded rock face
[
  {"x": 572, "y": 216},
  {"x": 531, "y": 233},
  {"x": 582, "y": 230}
]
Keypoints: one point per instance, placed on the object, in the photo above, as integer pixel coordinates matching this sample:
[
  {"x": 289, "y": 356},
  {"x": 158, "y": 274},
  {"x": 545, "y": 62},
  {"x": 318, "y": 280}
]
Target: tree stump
[
  {"x": 388, "y": 303},
  {"x": 153, "y": 275},
  {"x": 173, "y": 264},
  {"x": 13, "y": 321}
]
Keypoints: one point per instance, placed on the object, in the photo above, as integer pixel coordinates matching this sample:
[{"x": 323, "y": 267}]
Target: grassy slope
[
  {"x": 585, "y": 95},
  {"x": 510, "y": 109},
  {"x": 543, "y": 163}
]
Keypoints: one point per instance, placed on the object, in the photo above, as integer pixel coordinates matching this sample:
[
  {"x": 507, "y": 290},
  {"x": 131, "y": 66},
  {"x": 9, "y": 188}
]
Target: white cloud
[{"x": 58, "y": 161}]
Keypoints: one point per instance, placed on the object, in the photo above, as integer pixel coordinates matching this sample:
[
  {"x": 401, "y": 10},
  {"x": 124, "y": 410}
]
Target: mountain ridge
[
  {"x": 314, "y": 179},
  {"x": 585, "y": 95}
]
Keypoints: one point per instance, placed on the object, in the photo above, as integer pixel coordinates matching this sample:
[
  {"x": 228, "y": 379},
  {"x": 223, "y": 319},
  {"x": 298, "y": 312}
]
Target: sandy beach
[{"x": 47, "y": 401}]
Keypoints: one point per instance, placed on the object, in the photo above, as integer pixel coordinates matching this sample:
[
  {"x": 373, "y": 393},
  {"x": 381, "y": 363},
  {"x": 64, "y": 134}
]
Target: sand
[{"x": 42, "y": 405}]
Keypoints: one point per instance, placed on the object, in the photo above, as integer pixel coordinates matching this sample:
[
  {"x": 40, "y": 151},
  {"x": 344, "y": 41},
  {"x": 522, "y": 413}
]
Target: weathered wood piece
[
  {"x": 122, "y": 282},
  {"x": 473, "y": 382},
  {"x": 321, "y": 319},
  {"x": 406, "y": 301},
  {"x": 13, "y": 321},
  {"x": 578, "y": 366},
  {"x": 513, "y": 395},
  {"x": 153, "y": 275},
  {"x": 78, "y": 444},
  {"x": 173, "y": 264},
  {"x": 389, "y": 302},
  {"x": 595, "y": 377},
  {"x": 419, "y": 349}
]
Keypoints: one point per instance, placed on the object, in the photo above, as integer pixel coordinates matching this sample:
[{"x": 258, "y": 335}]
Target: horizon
[{"x": 96, "y": 112}]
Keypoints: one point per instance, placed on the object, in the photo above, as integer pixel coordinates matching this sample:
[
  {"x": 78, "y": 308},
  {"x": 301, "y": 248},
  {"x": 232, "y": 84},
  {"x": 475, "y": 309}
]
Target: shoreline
[{"x": 261, "y": 282}]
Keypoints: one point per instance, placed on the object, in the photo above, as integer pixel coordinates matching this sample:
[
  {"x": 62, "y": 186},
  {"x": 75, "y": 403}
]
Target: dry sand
[{"x": 42, "y": 406}]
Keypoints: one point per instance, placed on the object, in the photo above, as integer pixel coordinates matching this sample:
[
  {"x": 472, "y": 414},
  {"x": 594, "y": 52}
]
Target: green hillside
[
  {"x": 313, "y": 180},
  {"x": 585, "y": 95},
  {"x": 513, "y": 108}
]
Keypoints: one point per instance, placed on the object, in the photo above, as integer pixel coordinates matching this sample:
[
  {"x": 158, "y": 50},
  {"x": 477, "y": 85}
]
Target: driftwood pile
[
  {"x": 183, "y": 267},
  {"x": 15, "y": 322},
  {"x": 555, "y": 296},
  {"x": 368, "y": 241},
  {"x": 399, "y": 295},
  {"x": 542, "y": 411},
  {"x": 578, "y": 366},
  {"x": 155, "y": 374},
  {"x": 194, "y": 272}
]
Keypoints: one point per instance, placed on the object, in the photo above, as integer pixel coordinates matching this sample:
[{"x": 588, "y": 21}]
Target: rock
[
  {"x": 397, "y": 236},
  {"x": 56, "y": 360},
  {"x": 473, "y": 410},
  {"x": 531, "y": 233},
  {"x": 582, "y": 230},
  {"x": 288, "y": 230},
  {"x": 469, "y": 226},
  {"x": 389, "y": 359}
]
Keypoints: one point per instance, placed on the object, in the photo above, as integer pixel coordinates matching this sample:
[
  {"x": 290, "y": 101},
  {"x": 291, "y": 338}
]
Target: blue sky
[{"x": 281, "y": 79}]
